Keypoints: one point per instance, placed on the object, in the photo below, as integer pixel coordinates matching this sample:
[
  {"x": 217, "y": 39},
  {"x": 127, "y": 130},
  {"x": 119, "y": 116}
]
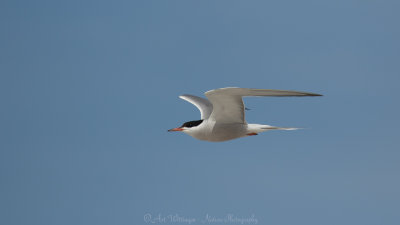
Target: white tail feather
[
  {"x": 257, "y": 128},
  {"x": 281, "y": 128}
]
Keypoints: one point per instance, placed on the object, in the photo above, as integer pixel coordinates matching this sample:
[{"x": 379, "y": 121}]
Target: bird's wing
[
  {"x": 228, "y": 105},
  {"x": 202, "y": 104}
]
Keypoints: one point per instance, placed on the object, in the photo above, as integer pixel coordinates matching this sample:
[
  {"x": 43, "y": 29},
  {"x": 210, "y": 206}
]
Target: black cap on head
[{"x": 193, "y": 123}]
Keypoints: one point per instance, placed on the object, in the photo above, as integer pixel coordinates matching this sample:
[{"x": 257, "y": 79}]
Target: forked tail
[
  {"x": 280, "y": 128},
  {"x": 257, "y": 128}
]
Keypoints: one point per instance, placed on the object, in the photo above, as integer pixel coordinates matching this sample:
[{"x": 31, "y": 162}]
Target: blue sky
[{"x": 89, "y": 88}]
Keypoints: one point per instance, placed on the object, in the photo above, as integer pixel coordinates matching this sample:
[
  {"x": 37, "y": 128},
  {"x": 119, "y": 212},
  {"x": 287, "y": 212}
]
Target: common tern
[{"x": 222, "y": 114}]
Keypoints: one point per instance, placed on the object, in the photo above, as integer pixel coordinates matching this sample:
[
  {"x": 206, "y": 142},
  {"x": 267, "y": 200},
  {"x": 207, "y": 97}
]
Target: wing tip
[
  {"x": 314, "y": 94},
  {"x": 184, "y": 96}
]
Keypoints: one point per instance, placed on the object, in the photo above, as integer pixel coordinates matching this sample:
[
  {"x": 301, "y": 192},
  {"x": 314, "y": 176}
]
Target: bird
[{"x": 223, "y": 114}]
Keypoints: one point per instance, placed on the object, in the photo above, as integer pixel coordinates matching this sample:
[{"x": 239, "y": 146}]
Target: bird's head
[{"x": 187, "y": 126}]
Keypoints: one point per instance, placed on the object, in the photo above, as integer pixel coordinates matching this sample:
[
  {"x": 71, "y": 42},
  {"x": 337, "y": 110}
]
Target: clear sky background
[{"x": 88, "y": 90}]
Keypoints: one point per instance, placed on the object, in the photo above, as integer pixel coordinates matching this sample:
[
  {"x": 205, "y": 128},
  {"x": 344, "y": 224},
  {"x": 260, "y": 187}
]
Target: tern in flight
[{"x": 222, "y": 114}]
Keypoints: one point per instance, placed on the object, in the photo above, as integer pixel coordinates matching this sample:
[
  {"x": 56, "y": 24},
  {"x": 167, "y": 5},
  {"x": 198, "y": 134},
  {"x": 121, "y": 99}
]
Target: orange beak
[{"x": 176, "y": 129}]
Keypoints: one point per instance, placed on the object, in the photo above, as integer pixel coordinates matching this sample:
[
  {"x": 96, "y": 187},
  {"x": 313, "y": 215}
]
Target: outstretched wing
[
  {"x": 228, "y": 105},
  {"x": 202, "y": 104}
]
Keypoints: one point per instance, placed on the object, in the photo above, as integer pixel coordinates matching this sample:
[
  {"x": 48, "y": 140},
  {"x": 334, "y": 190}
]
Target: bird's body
[{"x": 222, "y": 115}]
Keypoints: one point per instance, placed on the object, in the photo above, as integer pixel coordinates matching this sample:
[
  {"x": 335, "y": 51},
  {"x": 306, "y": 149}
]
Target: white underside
[{"x": 217, "y": 132}]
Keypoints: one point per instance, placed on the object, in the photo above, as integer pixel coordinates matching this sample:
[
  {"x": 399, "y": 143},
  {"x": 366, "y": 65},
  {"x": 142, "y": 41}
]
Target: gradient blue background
[{"x": 88, "y": 90}]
